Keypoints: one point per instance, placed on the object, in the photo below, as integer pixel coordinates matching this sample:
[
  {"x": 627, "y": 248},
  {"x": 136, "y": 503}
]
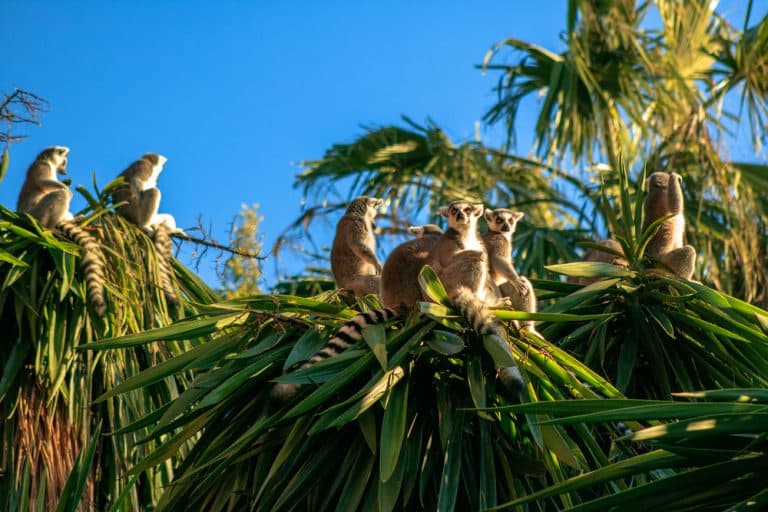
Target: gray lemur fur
[
  {"x": 141, "y": 195},
  {"x": 353, "y": 257},
  {"x": 665, "y": 197}
]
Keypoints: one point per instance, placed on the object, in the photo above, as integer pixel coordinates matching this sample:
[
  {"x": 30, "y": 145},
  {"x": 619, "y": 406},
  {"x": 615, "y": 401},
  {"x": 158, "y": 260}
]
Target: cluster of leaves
[
  {"x": 47, "y": 387},
  {"x": 713, "y": 456},
  {"x": 389, "y": 425}
]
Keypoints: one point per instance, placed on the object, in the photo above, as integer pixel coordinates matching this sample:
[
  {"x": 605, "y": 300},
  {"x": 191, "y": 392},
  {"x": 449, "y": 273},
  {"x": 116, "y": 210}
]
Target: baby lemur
[
  {"x": 47, "y": 199},
  {"x": 665, "y": 196},
  {"x": 353, "y": 258},
  {"x": 498, "y": 244},
  {"x": 400, "y": 292},
  {"x": 141, "y": 201}
]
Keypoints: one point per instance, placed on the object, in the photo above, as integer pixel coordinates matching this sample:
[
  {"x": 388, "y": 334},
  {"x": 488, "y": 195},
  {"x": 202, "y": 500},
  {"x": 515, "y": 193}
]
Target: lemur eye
[
  {"x": 467, "y": 210},
  {"x": 454, "y": 209}
]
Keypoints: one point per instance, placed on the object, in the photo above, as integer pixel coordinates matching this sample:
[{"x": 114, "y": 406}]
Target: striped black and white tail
[
  {"x": 349, "y": 334},
  {"x": 484, "y": 322},
  {"x": 164, "y": 246},
  {"x": 93, "y": 263}
]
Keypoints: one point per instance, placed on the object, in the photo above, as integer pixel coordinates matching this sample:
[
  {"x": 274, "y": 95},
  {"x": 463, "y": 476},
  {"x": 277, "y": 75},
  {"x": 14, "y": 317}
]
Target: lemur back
[
  {"x": 399, "y": 278},
  {"x": 353, "y": 258},
  {"x": 47, "y": 199},
  {"x": 665, "y": 197},
  {"x": 142, "y": 202},
  {"x": 502, "y": 223}
]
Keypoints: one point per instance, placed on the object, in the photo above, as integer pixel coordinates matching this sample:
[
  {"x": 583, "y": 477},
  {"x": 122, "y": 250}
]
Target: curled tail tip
[
  {"x": 512, "y": 380},
  {"x": 281, "y": 392},
  {"x": 100, "y": 309}
]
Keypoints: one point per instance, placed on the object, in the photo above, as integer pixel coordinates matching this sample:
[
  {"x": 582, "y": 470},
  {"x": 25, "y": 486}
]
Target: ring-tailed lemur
[
  {"x": 665, "y": 196},
  {"x": 498, "y": 244},
  {"x": 47, "y": 199},
  {"x": 353, "y": 258},
  {"x": 141, "y": 199},
  {"x": 461, "y": 262},
  {"x": 400, "y": 292}
]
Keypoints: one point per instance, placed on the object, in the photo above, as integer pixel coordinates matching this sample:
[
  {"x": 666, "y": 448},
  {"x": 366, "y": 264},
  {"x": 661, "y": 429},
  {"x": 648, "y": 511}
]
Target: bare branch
[
  {"x": 215, "y": 245},
  {"x": 20, "y": 107}
]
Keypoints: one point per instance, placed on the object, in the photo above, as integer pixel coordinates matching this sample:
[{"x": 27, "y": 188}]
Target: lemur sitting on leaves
[
  {"x": 141, "y": 200},
  {"x": 353, "y": 258},
  {"x": 400, "y": 291},
  {"x": 665, "y": 196},
  {"x": 498, "y": 244},
  {"x": 461, "y": 262},
  {"x": 47, "y": 199}
]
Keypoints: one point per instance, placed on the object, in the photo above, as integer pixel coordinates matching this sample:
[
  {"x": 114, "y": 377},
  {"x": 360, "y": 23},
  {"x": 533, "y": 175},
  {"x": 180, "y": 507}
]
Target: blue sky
[{"x": 237, "y": 94}]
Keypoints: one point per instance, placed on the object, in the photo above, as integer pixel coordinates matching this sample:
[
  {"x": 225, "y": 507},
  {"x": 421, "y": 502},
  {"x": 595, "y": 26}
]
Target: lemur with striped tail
[
  {"x": 400, "y": 292},
  {"x": 47, "y": 199},
  {"x": 139, "y": 201}
]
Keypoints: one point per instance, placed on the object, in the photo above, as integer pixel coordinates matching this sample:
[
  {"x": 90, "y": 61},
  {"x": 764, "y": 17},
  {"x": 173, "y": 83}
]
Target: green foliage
[
  {"x": 389, "y": 425},
  {"x": 47, "y": 387},
  {"x": 713, "y": 456},
  {"x": 4, "y": 161}
]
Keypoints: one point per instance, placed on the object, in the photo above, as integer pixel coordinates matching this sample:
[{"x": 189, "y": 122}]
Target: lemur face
[
  {"x": 57, "y": 155},
  {"x": 502, "y": 220},
  {"x": 374, "y": 204},
  {"x": 462, "y": 213}
]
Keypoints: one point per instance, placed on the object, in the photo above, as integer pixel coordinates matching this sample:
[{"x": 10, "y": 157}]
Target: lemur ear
[
  {"x": 518, "y": 215},
  {"x": 478, "y": 211},
  {"x": 678, "y": 177},
  {"x": 488, "y": 215},
  {"x": 444, "y": 211}
]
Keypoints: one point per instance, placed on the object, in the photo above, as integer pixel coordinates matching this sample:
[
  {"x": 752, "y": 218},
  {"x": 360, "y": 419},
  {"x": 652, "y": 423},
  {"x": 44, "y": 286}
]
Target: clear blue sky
[{"x": 235, "y": 94}]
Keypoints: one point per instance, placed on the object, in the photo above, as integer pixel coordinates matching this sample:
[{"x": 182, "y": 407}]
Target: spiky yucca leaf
[
  {"x": 664, "y": 334},
  {"x": 716, "y": 447},
  {"x": 391, "y": 424},
  {"x": 46, "y": 386}
]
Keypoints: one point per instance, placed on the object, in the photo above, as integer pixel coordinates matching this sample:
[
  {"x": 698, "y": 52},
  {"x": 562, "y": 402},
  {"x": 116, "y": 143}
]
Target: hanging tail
[
  {"x": 93, "y": 263},
  {"x": 484, "y": 322},
  {"x": 349, "y": 334},
  {"x": 164, "y": 246}
]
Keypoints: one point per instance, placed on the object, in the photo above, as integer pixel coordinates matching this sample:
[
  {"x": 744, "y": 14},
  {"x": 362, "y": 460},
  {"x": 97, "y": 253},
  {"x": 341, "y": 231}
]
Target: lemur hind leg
[
  {"x": 52, "y": 208},
  {"x": 681, "y": 261},
  {"x": 143, "y": 209}
]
